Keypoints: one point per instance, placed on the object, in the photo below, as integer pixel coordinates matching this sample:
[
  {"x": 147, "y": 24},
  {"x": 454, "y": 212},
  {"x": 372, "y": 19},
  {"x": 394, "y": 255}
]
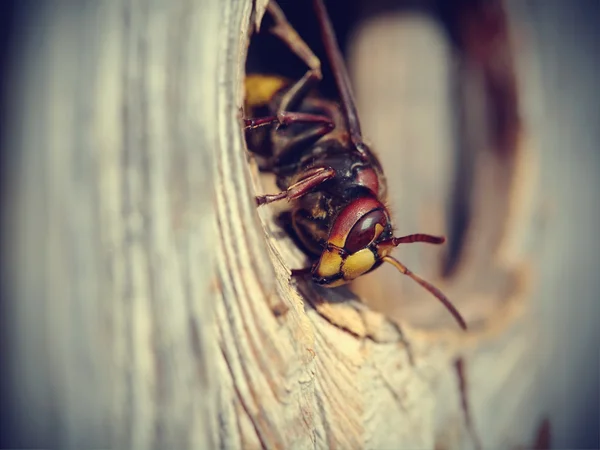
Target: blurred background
[{"x": 558, "y": 62}]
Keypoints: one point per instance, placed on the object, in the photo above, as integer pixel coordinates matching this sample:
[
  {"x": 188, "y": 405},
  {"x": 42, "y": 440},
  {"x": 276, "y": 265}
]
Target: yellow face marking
[
  {"x": 260, "y": 89},
  {"x": 358, "y": 263},
  {"x": 329, "y": 264},
  {"x": 378, "y": 230}
]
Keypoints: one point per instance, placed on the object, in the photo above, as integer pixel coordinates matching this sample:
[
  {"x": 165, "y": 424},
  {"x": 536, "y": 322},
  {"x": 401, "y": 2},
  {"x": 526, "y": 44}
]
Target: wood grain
[
  {"x": 114, "y": 224},
  {"x": 153, "y": 305}
]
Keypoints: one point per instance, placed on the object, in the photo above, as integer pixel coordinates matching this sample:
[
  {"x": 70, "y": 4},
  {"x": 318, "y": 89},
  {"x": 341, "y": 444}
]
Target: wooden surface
[
  {"x": 114, "y": 225},
  {"x": 144, "y": 281}
]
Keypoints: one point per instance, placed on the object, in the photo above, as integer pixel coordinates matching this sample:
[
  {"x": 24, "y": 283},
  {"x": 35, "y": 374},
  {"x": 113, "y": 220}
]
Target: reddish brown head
[
  {"x": 360, "y": 241},
  {"x": 352, "y": 246}
]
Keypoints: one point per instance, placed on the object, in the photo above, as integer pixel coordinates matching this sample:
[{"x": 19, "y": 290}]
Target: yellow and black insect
[{"x": 332, "y": 179}]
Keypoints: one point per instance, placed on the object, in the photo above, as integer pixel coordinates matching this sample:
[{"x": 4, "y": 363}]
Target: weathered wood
[
  {"x": 153, "y": 305},
  {"x": 114, "y": 223}
]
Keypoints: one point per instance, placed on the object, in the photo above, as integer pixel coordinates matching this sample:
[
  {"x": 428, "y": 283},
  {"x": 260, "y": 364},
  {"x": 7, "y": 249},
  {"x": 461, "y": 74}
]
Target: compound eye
[{"x": 365, "y": 230}]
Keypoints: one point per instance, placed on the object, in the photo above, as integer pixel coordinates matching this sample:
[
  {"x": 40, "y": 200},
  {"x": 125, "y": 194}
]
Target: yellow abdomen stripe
[{"x": 260, "y": 89}]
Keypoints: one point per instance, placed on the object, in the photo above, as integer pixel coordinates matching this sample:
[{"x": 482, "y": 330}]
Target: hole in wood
[{"x": 443, "y": 116}]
